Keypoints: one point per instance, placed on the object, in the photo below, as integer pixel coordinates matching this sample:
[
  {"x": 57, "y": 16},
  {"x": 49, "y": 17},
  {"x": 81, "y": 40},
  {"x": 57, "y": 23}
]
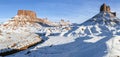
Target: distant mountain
[
  {"x": 103, "y": 28},
  {"x": 104, "y": 22},
  {"x": 26, "y": 19}
]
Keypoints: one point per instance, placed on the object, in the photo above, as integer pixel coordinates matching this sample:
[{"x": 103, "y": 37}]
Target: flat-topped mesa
[
  {"x": 105, "y": 8},
  {"x": 27, "y": 13}
]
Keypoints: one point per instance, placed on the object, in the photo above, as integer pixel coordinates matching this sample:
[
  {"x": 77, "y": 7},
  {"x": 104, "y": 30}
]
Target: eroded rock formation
[
  {"x": 27, "y": 13},
  {"x": 28, "y": 18},
  {"x": 106, "y": 8}
]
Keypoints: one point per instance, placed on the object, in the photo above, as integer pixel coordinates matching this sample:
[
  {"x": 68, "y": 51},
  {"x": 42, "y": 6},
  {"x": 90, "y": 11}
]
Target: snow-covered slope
[
  {"x": 11, "y": 41},
  {"x": 101, "y": 23},
  {"x": 97, "y": 37},
  {"x": 18, "y": 34},
  {"x": 23, "y": 31}
]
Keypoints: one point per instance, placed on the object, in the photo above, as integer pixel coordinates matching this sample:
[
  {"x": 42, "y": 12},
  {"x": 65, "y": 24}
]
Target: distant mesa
[
  {"x": 28, "y": 17},
  {"x": 27, "y": 13},
  {"x": 105, "y": 8}
]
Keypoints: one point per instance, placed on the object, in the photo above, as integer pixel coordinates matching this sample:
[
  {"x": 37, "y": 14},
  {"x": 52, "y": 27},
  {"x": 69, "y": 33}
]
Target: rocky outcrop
[
  {"x": 108, "y": 9},
  {"x": 28, "y": 18},
  {"x": 24, "y": 16},
  {"x": 27, "y": 13},
  {"x": 105, "y": 8}
]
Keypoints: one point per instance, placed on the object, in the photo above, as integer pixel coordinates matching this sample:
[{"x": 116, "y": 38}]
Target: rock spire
[{"x": 106, "y": 8}]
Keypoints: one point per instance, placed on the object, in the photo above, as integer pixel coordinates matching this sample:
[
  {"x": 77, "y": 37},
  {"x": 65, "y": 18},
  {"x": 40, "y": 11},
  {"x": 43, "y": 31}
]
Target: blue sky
[{"x": 73, "y": 10}]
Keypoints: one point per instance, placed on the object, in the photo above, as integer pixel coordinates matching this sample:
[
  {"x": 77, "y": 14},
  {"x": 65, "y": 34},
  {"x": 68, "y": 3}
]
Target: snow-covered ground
[
  {"x": 73, "y": 47},
  {"x": 113, "y": 47},
  {"x": 97, "y": 37},
  {"x": 10, "y": 41}
]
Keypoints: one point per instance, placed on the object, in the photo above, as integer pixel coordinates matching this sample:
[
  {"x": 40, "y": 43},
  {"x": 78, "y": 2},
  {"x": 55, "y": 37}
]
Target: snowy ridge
[
  {"x": 99, "y": 24},
  {"x": 20, "y": 23},
  {"x": 21, "y": 32}
]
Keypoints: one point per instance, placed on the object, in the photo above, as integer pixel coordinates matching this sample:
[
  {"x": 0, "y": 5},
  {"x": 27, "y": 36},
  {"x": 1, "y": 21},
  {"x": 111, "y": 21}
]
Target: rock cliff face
[
  {"x": 26, "y": 18},
  {"x": 105, "y": 8},
  {"x": 27, "y": 13},
  {"x": 23, "y": 18}
]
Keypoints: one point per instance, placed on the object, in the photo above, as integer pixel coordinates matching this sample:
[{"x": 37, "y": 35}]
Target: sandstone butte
[
  {"x": 27, "y": 13},
  {"x": 105, "y": 8}
]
